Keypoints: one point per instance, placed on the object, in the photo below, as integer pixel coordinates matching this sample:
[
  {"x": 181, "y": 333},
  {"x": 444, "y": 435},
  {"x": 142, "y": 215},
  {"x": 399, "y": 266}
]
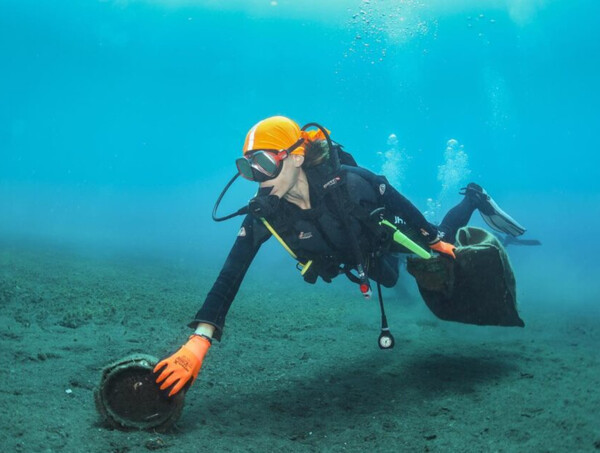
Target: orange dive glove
[
  {"x": 183, "y": 366},
  {"x": 443, "y": 247}
]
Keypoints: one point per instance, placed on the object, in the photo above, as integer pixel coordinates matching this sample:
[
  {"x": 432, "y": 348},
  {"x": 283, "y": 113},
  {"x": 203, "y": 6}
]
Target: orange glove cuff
[{"x": 198, "y": 345}]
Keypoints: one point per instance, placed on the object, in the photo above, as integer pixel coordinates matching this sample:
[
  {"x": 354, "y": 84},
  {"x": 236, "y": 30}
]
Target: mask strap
[{"x": 332, "y": 151}]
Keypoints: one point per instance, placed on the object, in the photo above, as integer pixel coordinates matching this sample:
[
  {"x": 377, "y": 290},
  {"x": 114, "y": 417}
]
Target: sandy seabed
[{"x": 299, "y": 368}]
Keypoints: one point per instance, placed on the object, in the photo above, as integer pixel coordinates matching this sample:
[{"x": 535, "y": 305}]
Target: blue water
[{"x": 120, "y": 120}]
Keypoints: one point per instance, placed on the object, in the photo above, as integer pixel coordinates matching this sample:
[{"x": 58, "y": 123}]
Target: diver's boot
[{"x": 491, "y": 213}]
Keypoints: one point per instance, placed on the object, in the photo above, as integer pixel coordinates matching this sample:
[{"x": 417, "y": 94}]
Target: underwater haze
[
  {"x": 120, "y": 123},
  {"x": 121, "y": 120}
]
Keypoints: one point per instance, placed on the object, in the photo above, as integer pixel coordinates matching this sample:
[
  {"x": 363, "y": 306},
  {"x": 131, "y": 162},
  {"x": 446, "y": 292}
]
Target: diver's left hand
[
  {"x": 443, "y": 247},
  {"x": 182, "y": 368}
]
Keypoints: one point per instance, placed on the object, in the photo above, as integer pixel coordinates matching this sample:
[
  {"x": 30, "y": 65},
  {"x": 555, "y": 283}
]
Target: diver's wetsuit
[{"x": 318, "y": 234}]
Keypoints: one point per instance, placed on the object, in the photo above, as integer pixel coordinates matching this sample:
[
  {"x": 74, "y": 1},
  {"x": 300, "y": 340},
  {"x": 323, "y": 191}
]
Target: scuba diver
[{"x": 332, "y": 216}]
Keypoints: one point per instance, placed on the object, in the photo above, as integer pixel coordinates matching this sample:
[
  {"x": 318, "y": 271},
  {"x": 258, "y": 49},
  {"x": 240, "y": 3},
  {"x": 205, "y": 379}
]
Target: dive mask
[
  {"x": 264, "y": 164},
  {"x": 261, "y": 165}
]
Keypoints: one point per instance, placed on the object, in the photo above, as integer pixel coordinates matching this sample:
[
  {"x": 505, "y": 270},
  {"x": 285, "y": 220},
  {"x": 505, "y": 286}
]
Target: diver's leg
[
  {"x": 457, "y": 217},
  {"x": 477, "y": 198},
  {"x": 491, "y": 213}
]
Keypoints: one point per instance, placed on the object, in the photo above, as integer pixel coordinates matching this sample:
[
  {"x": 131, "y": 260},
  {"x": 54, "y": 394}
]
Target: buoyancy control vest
[
  {"x": 343, "y": 230},
  {"x": 325, "y": 233}
]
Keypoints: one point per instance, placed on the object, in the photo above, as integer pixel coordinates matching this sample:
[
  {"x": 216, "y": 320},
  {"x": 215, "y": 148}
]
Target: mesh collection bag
[{"x": 477, "y": 288}]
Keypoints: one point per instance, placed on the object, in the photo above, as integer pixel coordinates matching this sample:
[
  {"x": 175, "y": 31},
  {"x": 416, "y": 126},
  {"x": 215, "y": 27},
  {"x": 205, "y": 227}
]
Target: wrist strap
[
  {"x": 206, "y": 337},
  {"x": 439, "y": 236}
]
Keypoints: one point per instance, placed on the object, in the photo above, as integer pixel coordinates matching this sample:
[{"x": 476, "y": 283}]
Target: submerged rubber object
[
  {"x": 478, "y": 287},
  {"x": 129, "y": 399}
]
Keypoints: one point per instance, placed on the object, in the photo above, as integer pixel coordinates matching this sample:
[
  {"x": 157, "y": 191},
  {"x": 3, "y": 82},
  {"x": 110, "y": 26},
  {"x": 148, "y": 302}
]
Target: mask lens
[
  {"x": 259, "y": 166},
  {"x": 244, "y": 168},
  {"x": 266, "y": 163}
]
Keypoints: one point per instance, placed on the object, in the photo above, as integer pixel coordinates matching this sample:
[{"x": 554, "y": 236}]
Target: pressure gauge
[{"x": 386, "y": 340}]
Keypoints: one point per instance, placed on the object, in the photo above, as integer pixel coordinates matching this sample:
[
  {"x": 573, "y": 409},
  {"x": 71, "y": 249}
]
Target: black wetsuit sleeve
[
  {"x": 251, "y": 236},
  {"x": 397, "y": 205}
]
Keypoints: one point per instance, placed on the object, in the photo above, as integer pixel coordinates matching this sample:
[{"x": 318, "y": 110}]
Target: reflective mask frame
[{"x": 261, "y": 165}]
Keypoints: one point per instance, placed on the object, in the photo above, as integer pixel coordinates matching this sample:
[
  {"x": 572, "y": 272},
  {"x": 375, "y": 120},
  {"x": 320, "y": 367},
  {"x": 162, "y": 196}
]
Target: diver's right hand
[
  {"x": 182, "y": 367},
  {"x": 443, "y": 247}
]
